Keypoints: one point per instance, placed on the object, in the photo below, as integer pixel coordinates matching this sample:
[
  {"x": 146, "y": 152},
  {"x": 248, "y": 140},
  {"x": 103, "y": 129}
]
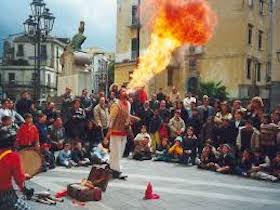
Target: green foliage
[
  {"x": 213, "y": 90},
  {"x": 111, "y": 72}
]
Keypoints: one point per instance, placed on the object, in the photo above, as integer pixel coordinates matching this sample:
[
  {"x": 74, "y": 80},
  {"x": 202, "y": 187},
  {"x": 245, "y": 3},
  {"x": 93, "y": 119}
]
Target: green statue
[{"x": 78, "y": 39}]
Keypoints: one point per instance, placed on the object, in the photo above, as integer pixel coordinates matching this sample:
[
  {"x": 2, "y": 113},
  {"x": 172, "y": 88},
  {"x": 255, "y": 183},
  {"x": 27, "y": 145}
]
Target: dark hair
[
  {"x": 5, "y": 100},
  {"x": 6, "y": 118},
  {"x": 40, "y": 116},
  {"x": 27, "y": 116},
  {"x": 249, "y": 121}
]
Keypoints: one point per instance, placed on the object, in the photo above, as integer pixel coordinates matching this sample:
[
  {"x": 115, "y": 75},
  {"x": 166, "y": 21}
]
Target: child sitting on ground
[
  {"x": 208, "y": 158},
  {"x": 100, "y": 154},
  {"x": 226, "y": 163},
  {"x": 64, "y": 157},
  {"x": 162, "y": 152},
  {"x": 176, "y": 152},
  {"x": 142, "y": 141},
  {"x": 275, "y": 166},
  {"x": 49, "y": 159},
  {"x": 78, "y": 155},
  {"x": 261, "y": 165},
  {"x": 190, "y": 144},
  {"x": 245, "y": 165}
]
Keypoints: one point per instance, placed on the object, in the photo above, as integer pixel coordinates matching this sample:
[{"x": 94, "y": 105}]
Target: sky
[{"x": 99, "y": 17}]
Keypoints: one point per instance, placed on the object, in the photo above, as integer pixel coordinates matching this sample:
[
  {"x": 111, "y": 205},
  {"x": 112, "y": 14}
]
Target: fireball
[{"x": 175, "y": 23}]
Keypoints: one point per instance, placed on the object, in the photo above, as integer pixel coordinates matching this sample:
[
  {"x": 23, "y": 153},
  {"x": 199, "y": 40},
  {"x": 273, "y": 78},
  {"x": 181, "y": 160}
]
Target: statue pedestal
[{"x": 75, "y": 74}]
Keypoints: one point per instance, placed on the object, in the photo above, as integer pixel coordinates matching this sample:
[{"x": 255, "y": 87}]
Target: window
[
  {"x": 134, "y": 49},
  {"x": 170, "y": 77},
  {"x": 260, "y": 40},
  {"x": 249, "y": 64},
  {"x": 20, "y": 50},
  {"x": 12, "y": 77},
  {"x": 33, "y": 76},
  {"x": 250, "y": 34},
  {"x": 134, "y": 19},
  {"x": 49, "y": 80},
  {"x": 261, "y": 7},
  {"x": 43, "y": 51},
  {"x": 192, "y": 63},
  {"x": 259, "y": 68}
]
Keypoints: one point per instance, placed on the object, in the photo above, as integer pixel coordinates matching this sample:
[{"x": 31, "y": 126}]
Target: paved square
[{"x": 180, "y": 187}]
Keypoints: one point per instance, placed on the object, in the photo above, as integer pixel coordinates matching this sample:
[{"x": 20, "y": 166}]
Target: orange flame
[{"x": 175, "y": 23}]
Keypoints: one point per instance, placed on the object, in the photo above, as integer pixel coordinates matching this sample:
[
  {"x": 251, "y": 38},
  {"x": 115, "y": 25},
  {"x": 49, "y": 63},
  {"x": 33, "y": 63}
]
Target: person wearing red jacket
[
  {"x": 27, "y": 135},
  {"x": 11, "y": 169}
]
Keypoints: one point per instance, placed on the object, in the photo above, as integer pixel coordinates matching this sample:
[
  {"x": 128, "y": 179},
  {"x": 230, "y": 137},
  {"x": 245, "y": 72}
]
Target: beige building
[
  {"x": 237, "y": 55},
  {"x": 275, "y": 74}
]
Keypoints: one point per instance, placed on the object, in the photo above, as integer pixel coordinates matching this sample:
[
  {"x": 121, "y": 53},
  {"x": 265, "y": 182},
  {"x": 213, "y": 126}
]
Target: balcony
[{"x": 25, "y": 84}]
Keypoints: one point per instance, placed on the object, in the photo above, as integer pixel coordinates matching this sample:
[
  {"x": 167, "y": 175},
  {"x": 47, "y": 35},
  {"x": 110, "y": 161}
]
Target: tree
[
  {"x": 111, "y": 73},
  {"x": 213, "y": 90}
]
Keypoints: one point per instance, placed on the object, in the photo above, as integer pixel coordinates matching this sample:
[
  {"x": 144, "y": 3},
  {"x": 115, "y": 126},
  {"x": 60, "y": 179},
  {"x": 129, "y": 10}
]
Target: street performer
[
  {"x": 11, "y": 168},
  {"x": 119, "y": 126}
]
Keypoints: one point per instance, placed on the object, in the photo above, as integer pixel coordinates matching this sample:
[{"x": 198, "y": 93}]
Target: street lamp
[
  {"x": 37, "y": 27},
  {"x": 278, "y": 55}
]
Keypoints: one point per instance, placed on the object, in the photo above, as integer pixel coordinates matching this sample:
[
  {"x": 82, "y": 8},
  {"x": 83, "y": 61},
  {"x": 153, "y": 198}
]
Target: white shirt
[{"x": 187, "y": 102}]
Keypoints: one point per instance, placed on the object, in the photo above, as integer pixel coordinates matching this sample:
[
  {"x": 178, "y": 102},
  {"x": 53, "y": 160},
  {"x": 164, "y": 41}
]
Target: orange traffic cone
[{"x": 149, "y": 195}]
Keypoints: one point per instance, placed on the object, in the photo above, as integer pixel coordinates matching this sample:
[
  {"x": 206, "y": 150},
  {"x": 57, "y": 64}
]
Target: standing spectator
[
  {"x": 86, "y": 103},
  {"x": 25, "y": 104},
  {"x": 189, "y": 99},
  {"x": 248, "y": 137},
  {"x": 205, "y": 110},
  {"x": 163, "y": 111},
  {"x": 27, "y": 135},
  {"x": 75, "y": 124},
  {"x": 237, "y": 105},
  {"x": 51, "y": 113},
  {"x": 276, "y": 117},
  {"x": 142, "y": 95},
  {"x": 145, "y": 114},
  {"x": 101, "y": 116},
  {"x": 154, "y": 130},
  {"x": 4, "y": 110},
  {"x": 66, "y": 102},
  {"x": 184, "y": 113},
  {"x": 268, "y": 137},
  {"x": 154, "y": 103},
  {"x": 225, "y": 113},
  {"x": 177, "y": 125},
  {"x": 256, "y": 111},
  {"x": 43, "y": 129},
  {"x": 169, "y": 103},
  {"x": 160, "y": 95},
  {"x": 206, "y": 133},
  {"x": 174, "y": 95},
  {"x": 195, "y": 121},
  {"x": 57, "y": 135},
  {"x": 16, "y": 117}
]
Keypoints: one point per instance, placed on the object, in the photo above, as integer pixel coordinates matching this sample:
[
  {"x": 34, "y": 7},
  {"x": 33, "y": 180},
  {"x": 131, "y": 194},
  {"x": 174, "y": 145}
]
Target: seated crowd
[{"x": 214, "y": 135}]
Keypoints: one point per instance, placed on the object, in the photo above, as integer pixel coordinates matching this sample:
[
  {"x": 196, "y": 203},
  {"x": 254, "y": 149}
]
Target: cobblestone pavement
[{"x": 180, "y": 188}]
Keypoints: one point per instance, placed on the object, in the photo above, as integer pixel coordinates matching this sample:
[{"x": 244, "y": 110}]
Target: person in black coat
[
  {"x": 190, "y": 143},
  {"x": 78, "y": 155},
  {"x": 225, "y": 134},
  {"x": 226, "y": 163},
  {"x": 25, "y": 104}
]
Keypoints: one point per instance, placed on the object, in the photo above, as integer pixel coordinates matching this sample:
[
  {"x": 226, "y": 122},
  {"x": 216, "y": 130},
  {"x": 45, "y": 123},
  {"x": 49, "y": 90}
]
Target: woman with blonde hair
[{"x": 256, "y": 111}]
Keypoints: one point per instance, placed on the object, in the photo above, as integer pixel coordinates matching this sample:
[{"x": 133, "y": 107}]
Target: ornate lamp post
[{"x": 37, "y": 28}]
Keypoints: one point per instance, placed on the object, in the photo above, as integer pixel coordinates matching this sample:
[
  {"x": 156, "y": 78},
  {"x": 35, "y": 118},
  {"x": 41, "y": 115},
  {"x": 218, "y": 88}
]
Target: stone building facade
[{"x": 237, "y": 55}]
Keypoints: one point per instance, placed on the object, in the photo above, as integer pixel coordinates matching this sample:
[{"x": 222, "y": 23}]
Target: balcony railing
[{"x": 18, "y": 84}]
